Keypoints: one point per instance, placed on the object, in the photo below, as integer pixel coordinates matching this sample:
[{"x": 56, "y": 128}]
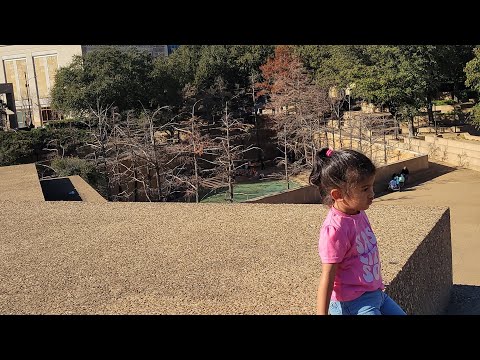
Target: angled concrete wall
[
  {"x": 86, "y": 192},
  {"x": 170, "y": 258},
  {"x": 427, "y": 274},
  {"x": 20, "y": 183}
]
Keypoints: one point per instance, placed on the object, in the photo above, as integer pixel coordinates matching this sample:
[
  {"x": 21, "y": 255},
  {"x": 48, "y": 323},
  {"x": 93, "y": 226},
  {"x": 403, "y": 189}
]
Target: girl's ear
[{"x": 336, "y": 194}]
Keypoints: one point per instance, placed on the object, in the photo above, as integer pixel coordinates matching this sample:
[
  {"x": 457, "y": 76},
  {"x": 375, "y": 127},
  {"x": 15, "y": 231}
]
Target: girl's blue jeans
[{"x": 370, "y": 303}]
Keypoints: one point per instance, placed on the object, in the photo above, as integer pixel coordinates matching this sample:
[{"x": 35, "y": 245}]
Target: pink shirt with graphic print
[{"x": 348, "y": 240}]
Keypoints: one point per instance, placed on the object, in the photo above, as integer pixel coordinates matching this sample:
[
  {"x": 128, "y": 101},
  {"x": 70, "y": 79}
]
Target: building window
[
  {"x": 50, "y": 115},
  {"x": 45, "y": 70},
  {"x": 16, "y": 73},
  {"x": 21, "y": 118}
]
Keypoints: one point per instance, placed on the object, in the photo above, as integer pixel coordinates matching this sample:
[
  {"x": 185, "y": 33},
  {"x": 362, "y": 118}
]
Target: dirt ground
[{"x": 458, "y": 189}]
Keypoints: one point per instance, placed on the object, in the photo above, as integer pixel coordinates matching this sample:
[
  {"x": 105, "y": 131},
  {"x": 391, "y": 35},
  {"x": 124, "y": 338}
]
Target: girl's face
[{"x": 358, "y": 198}]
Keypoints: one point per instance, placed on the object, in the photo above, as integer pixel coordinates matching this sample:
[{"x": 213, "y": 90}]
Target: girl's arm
[{"x": 325, "y": 288}]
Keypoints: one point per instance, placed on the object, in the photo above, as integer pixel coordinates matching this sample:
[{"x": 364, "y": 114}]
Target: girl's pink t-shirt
[{"x": 348, "y": 240}]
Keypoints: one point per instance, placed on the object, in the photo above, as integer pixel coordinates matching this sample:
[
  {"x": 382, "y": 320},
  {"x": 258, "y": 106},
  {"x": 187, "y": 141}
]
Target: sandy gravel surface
[
  {"x": 458, "y": 189},
  {"x": 86, "y": 192},
  {"x": 20, "y": 183},
  {"x": 140, "y": 258}
]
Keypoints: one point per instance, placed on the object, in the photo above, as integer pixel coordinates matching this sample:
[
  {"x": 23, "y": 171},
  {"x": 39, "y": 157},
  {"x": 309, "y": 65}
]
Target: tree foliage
[
  {"x": 122, "y": 78},
  {"x": 28, "y": 146},
  {"x": 405, "y": 78},
  {"x": 69, "y": 166},
  {"x": 201, "y": 65},
  {"x": 472, "y": 71},
  {"x": 299, "y": 107}
]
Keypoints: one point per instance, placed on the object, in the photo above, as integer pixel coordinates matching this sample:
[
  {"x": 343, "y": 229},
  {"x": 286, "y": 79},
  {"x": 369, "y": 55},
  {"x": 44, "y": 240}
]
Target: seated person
[{"x": 393, "y": 184}]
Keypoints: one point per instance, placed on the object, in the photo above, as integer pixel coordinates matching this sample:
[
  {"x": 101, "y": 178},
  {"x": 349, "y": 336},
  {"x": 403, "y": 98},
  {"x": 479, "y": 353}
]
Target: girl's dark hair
[{"x": 341, "y": 169}]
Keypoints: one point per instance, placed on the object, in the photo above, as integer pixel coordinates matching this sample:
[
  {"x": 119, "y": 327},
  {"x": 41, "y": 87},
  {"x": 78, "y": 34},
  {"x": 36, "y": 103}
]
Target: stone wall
[
  {"x": 428, "y": 273},
  {"x": 86, "y": 192},
  {"x": 454, "y": 152}
]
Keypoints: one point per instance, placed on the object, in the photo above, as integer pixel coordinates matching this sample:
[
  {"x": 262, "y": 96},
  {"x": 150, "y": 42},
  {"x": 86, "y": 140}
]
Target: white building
[{"x": 32, "y": 68}]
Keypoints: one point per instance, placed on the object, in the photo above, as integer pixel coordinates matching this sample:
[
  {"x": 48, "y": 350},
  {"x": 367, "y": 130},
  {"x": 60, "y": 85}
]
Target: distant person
[
  {"x": 405, "y": 173},
  {"x": 351, "y": 281},
  {"x": 401, "y": 181},
  {"x": 393, "y": 183}
]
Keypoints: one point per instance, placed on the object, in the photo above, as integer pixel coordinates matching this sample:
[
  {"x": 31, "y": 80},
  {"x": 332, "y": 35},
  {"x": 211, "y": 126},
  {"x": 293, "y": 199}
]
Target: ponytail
[{"x": 322, "y": 157}]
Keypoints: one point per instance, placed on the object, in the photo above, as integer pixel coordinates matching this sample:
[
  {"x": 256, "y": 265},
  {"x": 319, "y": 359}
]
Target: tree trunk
[
  {"x": 286, "y": 156},
  {"x": 135, "y": 186},
  {"x": 105, "y": 174},
  {"x": 411, "y": 127},
  {"x": 429, "y": 110},
  {"x": 454, "y": 91},
  {"x": 259, "y": 150},
  {"x": 229, "y": 156}
]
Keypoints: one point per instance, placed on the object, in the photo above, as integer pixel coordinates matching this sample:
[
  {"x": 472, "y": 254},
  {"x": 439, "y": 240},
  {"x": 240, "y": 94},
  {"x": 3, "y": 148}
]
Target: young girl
[{"x": 351, "y": 281}]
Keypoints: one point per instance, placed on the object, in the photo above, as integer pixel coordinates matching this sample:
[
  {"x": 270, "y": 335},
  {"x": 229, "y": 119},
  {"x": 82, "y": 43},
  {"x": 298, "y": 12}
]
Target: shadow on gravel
[
  {"x": 434, "y": 170},
  {"x": 464, "y": 300}
]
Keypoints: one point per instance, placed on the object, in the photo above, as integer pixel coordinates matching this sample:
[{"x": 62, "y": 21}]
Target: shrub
[
  {"x": 26, "y": 146},
  {"x": 69, "y": 166},
  {"x": 443, "y": 102}
]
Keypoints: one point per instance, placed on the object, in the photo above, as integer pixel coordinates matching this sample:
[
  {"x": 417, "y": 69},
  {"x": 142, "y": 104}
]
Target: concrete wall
[
  {"x": 20, "y": 183},
  {"x": 428, "y": 273},
  {"x": 86, "y": 192},
  {"x": 444, "y": 108},
  {"x": 455, "y": 152},
  {"x": 471, "y": 137},
  {"x": 385, "y": 172},
  {"x": 310, "y": 194},
  {"x": 171, "y": 258}
]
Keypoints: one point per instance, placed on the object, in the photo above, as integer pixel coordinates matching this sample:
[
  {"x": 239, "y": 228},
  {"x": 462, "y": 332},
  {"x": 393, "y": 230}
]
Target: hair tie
[{"x": 329, "y": 152}]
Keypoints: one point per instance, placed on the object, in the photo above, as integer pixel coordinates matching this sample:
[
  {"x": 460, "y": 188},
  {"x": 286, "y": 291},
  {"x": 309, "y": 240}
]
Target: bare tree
[
  {"x": 154, "y": 151},
  {"x": 99, "y": 130},
  {"x": 229, "y": 149},
  {"x": 192, "y": 149},
  {"x": 375, "y": 129},
  {"x": 300, "y": 106}
]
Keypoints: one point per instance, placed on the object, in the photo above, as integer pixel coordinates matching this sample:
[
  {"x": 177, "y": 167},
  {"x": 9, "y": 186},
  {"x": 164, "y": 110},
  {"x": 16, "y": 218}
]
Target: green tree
[
  {"x": 122, "y": 78},
  {"x": 182, "y": 63},
  {"x": 452, "y": 61},
  {"x": 472, "y": 72},
  {"x": 405, "y": 78},
  {"x": 202, "y": 65}
]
